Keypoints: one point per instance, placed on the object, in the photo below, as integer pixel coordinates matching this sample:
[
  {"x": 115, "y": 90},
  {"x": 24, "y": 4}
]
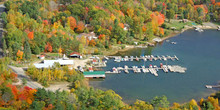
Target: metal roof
[{"x": 50, "y": 63}]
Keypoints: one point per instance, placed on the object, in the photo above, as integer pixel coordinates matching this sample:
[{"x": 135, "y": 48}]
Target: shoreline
[{"x": 207, "y": 25}]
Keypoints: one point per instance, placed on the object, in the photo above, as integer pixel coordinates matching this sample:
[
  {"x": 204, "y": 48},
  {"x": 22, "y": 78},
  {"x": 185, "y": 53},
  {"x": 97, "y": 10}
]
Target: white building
[{"x": 50, "y": 63}]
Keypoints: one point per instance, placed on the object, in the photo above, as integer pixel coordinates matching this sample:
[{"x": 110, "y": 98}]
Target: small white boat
[{"x": 173, "y": 43}]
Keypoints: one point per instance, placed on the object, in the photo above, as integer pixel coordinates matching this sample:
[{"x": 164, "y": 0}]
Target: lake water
[{"x": 198, "y": 52}]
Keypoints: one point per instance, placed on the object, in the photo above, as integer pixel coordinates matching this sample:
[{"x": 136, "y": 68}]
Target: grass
[
  {"x": 52, "y": 54},
  {"x": 178, "y": 25}
]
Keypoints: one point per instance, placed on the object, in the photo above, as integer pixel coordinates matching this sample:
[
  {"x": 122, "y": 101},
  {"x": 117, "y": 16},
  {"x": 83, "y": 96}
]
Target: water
[{"x": 198, "y": 52}]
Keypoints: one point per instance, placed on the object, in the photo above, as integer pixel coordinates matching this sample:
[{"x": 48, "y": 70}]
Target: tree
[
  {"x": 170, "y": 14},
  {"x": 31, "y": 35},
  {"x": 4, "y": 47},
  {"x": 27, "y": 50},
  {"x": 160, "y": 102},
  {"x": 19, "y": 55},
  {"x": 48, "y": 47}
]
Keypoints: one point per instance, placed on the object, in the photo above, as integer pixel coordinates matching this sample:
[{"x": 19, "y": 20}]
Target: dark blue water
[{"x": 198, "y": 52}]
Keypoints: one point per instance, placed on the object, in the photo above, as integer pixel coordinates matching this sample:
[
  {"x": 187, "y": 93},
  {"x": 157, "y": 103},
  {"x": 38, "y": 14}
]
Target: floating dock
[
  {"x": 151, "y": 69},
  {"x": 145, "y": 58}
]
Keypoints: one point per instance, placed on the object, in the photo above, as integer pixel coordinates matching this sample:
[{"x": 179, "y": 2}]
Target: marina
[{"x": 199, "y": 59}]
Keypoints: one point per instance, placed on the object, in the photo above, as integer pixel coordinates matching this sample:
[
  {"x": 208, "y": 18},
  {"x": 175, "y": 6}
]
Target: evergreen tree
[
  {"x": 36, "y": 50},
  {"x": 27, "y": 50},
  {"x": 4, "y": 47}
]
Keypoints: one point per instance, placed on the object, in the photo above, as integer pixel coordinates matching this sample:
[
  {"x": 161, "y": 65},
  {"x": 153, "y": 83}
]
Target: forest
[{"x": 36, "y": 26}]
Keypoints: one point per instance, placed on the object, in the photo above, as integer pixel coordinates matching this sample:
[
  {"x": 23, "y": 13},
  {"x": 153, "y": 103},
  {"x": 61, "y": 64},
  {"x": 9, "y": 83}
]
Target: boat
[
  {"x": 173, "y": 43},
  {"x": 152, "y": 70},
  {"x": 170, "y": 68},
  {"x": 137, "y": 59},
  {"x": 156, "y": 68},
  {"x": 132, "y": 58},
  {"x": 198, "y": 29},
  {"x": 138, "y": 69},
  {"x": 176, "y": 57},
  {"x": 134, "y": 69},
  {"x": 106, "y": 58},
  {"x": 126, "y": 69}
]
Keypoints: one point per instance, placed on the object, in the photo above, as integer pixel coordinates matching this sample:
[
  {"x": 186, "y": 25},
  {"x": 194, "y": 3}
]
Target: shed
[{"x": 75, "y": 55}]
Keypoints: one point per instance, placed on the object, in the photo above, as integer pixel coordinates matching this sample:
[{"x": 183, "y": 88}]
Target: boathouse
[{"x": 94, "y": 74}]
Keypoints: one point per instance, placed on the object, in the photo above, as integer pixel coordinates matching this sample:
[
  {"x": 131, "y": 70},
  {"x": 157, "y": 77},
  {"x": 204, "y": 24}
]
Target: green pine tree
[
  {"x": 4, "y": 47},
  {"x": 27, "y": 50}
]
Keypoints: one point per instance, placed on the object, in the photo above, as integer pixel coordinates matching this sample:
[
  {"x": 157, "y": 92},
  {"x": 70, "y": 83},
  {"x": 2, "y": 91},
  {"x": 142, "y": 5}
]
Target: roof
[
  {"x": 50, "y": 63},
  {"x": 76, "y": 53},
  {"x": 94, "y": 73}
]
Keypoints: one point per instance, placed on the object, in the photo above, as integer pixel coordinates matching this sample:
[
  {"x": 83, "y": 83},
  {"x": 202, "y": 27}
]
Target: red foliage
[
  {"x": 31, "y": 35},
  {"x": 45, "y": 22},
  {"x": 48, "y": 47}
]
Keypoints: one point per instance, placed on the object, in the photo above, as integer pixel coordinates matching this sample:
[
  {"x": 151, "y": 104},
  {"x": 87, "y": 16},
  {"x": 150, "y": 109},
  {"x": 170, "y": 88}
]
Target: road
[
  {"x": 2, "y": 9},
  {"x": 21, "y": 74}
]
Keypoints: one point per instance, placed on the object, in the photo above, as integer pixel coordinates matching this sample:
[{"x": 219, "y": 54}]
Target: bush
[
  {"x": 122, "y": 46},
  {"x": 164, "y": 26}
]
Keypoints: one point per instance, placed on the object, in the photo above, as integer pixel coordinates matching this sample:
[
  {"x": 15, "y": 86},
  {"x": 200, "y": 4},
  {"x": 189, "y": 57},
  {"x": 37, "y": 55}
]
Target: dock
[
  {"x": 145, "y": 58},
  {"x": 152, "y": 69},
  {"x": 212, "y": 86}
]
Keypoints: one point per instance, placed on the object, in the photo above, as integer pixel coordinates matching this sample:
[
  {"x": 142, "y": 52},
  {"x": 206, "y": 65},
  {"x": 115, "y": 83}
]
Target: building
[
  {"x": 50, "y": 63},
  {"x": 41, "y": 57},
  {"x": 95, "y": 74},
  {"x": 89, "y": 36},
  {"x": 75, "y": 55}
]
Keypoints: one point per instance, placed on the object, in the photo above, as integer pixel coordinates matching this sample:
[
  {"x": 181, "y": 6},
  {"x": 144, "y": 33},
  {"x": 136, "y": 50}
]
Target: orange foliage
[
  {"x": 80, "y": 27},
  {"x": 158, "y": 18},
  {"x": 161, "y": 31},
  {"x": 24, "y": 94},
  {"x": 205, "y": 9},
  {"x": 213, "y": 2},
  {"x": 121, "y": 25},
  {"x": 92, "y": 43},
  {"x": 19, "y": 55},
  {"x": 144, "y": 28},
  {"x": 218, "y": 3},
  {"x": 48, "y": 47},
  {"x": 31, "y": 35},
  {"x": 119, "y": 42},
  {"x": 101, "y": 37},
  {"x": 72, "y": 22},
  {"x": 191, "y": 2}
]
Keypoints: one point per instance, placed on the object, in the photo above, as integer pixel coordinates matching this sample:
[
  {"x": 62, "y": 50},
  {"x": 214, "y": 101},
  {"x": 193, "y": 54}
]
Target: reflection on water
[{"x": 198, "y": 52}]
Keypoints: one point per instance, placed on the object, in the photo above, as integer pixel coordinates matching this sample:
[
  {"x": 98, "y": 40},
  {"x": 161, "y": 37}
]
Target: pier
[
  {"x": 152, "y": 69},
  {"x": 212, "y": 86},
  {"x": 145, "y": 58}
]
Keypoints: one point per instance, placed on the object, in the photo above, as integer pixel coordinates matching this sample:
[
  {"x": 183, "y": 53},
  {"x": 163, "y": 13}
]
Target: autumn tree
[
  {"x": 19, "y": 55},
  {"x": 71, "y": 21},
  {"x": 31, "y": 35},
  {"x": 80, "y": 27},
  {"x": 48, "y": 47}
]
